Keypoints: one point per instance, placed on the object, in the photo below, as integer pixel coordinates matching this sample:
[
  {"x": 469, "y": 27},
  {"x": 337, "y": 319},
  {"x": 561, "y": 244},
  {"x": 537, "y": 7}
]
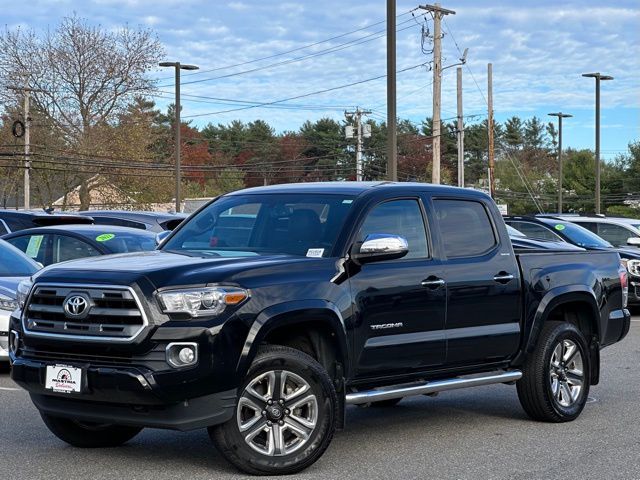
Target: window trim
[
  {"x": 6, "y": 227},
  {"x": 375, "y": 203},
  {"x": 496, "y": 236}
]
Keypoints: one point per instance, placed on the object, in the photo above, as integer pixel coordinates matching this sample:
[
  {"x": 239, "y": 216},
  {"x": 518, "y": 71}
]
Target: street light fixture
[
  {"x": 560, "y": 116},
  {"x": 598, "y": 76},
  {"x": 178, "y": 66}
]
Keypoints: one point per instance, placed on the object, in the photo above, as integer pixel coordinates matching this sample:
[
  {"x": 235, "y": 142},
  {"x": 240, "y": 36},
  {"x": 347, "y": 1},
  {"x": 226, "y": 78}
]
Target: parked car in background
[
  {"x": 618, "y": 231},
  {"x": 14, "y": 267},
  {"x": 521, "y": 242},
  {"x": 15, "y": 220},
  {"x": 154, "y": 221},
  {"x": 549, "y": 228},
  {"x": 49, "y": 245}
]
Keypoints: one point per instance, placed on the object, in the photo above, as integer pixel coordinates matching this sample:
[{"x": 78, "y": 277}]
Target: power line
[
  {"x": 309, "y": 94},
  {"x": 367, "y": 38},
  {"x": 297, "y": 49}
]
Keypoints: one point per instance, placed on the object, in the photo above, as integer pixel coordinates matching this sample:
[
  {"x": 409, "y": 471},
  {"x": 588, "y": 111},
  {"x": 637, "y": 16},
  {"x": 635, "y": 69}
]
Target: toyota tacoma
[{"x": 269, "y": 310}]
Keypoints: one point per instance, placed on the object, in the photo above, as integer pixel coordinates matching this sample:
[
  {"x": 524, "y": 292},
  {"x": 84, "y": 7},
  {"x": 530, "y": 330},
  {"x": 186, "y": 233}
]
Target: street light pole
[
  {"x": 178, "y": 66},
  {"x": 560, "y": 116},
  {"x": 598, "y": 76}
]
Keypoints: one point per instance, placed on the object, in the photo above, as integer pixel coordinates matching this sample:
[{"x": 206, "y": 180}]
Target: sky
[{"x": 538, "y": 49}]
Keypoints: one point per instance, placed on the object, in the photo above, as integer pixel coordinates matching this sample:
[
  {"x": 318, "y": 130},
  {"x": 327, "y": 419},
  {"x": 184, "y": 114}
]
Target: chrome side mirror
[
  {"x": 633, "y": 241},
  {"x": 378, "y": 247},
  {"x": 162, "y": 236}
]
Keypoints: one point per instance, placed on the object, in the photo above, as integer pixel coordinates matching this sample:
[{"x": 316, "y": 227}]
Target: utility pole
[
  {"x": 598, "y": 76},
  {"x": 492, "y": 165},
  {"x": 27, "y": 142},
  {"x": 361, "y": 131},
  {"x": 178, "y": 66},
  {"x": 560, "y": 116},
  {"x": 438, "y": 12},
  {"x": 392, "y": 146},
  {"x": 460, "y": 132}
]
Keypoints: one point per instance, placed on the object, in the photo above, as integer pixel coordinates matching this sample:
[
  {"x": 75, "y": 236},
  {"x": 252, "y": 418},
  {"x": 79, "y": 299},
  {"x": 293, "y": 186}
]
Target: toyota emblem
[{"x": 76, "y": 305}]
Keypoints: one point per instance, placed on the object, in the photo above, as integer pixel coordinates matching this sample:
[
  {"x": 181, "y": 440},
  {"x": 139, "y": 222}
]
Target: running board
[{"x": 399, "y": 391}]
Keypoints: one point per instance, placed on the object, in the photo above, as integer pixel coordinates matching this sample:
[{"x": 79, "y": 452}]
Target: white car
[
  {"x": 618, "y": 231},
  {"x": 14, "y": 267}
]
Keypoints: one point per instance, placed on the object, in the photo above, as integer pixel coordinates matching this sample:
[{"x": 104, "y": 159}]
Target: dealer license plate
[{"x": 63, "y": 379}]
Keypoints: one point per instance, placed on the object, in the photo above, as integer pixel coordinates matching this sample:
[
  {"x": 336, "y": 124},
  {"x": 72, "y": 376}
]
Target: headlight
[
  {"x": 633, "y": 267},
  {"x": 24, "y": 287},
  {"x": 200, "y": 302},
  {"x": 7, "y": 303}
]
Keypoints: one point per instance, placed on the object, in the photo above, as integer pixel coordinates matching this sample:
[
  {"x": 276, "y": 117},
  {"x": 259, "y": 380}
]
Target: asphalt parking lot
[{"x": 478, "y": 433}]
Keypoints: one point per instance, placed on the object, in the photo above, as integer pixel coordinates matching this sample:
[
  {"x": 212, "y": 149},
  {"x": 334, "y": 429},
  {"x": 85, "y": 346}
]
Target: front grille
[{"x": 111, "y": 312}]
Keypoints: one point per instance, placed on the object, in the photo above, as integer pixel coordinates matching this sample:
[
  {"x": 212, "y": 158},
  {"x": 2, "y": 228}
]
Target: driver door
[{"x": 399, "y": 305}]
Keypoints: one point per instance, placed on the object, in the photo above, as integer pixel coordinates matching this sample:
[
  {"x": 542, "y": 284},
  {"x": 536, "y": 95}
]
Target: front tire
[
  {"x": 285, "y": 416},
  {"x": 89, "y": 435},
  {"x": 556, "y": 376}
]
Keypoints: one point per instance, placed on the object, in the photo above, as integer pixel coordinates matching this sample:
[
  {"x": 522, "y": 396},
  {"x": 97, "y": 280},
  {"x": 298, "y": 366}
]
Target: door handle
[
  {"x": 503, "y": 277},
  {"x": 433, "y": 283}
]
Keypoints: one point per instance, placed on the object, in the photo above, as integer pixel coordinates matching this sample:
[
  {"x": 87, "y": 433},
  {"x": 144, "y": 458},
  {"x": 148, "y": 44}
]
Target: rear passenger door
[{"x": 482, "y": 281}]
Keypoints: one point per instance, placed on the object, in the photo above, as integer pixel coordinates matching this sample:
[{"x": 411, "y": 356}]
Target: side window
[
  {"x": 3, "y": 229},
  {"x": 69, "y": 248},
  {"x": 537, "y": 232},
  {"x": 614, "y": 234},
  {"x": 33, "y": 246},
  {"x": 465, "y": 228},
  {"x": 398, "y": 217}
]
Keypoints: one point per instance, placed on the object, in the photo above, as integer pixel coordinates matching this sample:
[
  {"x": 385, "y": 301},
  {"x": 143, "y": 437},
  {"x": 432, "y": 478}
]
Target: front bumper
[{"x": 123, "y": 395}]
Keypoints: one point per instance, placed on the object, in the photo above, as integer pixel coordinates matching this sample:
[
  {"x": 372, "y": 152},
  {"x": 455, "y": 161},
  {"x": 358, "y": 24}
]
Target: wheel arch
[{"x": 319, "y": 320}]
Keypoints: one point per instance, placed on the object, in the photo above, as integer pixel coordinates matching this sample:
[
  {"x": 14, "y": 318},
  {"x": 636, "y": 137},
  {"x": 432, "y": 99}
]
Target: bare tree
[{"x": 85, "y": 76}]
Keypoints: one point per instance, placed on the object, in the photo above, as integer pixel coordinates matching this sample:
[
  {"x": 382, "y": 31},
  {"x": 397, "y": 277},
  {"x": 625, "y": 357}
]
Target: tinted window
[
  {"x": 465, "y": 228},
  {"x": 243, "y": 225},
  {"x": 69, "y": 248},
  {"x": 398, "y": 217},
  {"x": 615, "y": 234},
  {"x": 120, "y": 242},
  {"x": 33, "y": 246},
  {"x": 3, "y": 230},
  {"x": 13, "y": 263},
  {"x": 533, "y": 230}
]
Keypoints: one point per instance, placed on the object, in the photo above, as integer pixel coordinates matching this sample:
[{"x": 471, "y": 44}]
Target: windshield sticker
[
  {"x": 559, "y": 226},
  {"x": 105, "y": 237},
  {"x": 315, "y": 252},
  {"x": 34, "y": 246}
]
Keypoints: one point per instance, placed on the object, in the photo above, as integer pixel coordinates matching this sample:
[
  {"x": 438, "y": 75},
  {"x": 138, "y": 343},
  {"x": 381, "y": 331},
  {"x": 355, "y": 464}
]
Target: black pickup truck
[{"x": 270, "y": 310}]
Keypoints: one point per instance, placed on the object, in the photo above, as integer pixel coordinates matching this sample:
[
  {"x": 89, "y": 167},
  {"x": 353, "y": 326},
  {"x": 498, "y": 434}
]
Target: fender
[
  {"x": 555, "y": 297},
  {"x": 291, "y": 313}
]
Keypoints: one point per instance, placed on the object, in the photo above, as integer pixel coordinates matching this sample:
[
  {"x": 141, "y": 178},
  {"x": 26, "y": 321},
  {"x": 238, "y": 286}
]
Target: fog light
[
  {"x": 187, "y": 355},
  {"x": 182, "y": 354}
]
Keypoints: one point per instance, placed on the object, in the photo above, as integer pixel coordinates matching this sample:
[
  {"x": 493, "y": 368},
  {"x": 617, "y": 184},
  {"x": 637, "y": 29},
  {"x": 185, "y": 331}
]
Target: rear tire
[
  {"x": 89, "y": 435},
  {"x": 556, "y": 376},
  {"x": 285, "y": 416}
]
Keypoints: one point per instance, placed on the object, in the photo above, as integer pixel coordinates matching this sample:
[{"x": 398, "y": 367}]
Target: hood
[
  {"x": 163, "y": 268},
  {"x": 9, "y": 285}
]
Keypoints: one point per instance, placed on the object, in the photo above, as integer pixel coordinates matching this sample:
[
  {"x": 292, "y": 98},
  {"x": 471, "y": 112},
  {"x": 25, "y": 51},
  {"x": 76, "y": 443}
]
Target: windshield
[
  {"x": 515, "y": 233},
  {"x": 118, "y": 242},
  {"x": 13, "y": 263},
  {"x": 636, "y": 226},
  {"x": 266, "y": 224},
  {"x": 581, "y": 236}
]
